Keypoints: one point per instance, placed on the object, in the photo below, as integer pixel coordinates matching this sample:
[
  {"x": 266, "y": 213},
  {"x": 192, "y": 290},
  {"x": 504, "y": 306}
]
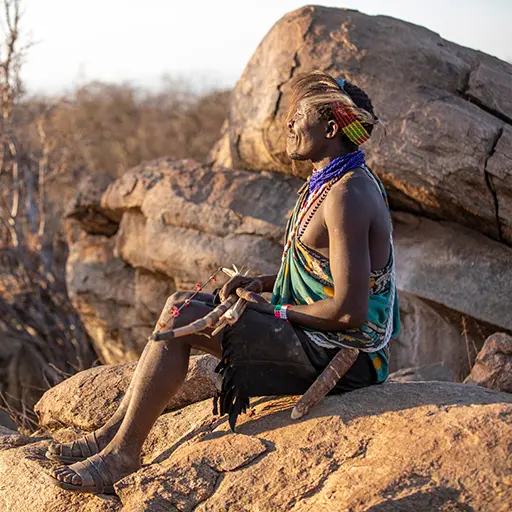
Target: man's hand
[
  {"x": 240, "y": 282},
  {"x": 251, "y": 296},
  {"x": 255, "y": 301}
]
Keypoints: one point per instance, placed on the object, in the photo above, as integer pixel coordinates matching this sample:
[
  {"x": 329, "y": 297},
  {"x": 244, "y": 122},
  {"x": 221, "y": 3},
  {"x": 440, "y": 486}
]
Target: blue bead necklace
[{"x": 336, "y": 169}]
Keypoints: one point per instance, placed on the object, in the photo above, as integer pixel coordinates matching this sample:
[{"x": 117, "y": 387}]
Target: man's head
[{"x": 315, "y": 121}]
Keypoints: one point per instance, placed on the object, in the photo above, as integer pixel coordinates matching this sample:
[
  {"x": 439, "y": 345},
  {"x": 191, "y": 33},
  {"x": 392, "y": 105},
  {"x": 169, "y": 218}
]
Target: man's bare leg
[
  {"x": 159, "y": 376},
  {"x": 106, "y": 432}
]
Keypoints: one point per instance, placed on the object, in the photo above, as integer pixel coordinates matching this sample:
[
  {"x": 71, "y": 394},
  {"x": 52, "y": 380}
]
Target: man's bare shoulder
[{"x": 354, "y": 193}]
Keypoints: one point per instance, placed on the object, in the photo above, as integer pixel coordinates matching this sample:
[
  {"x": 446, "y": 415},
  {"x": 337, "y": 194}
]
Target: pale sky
[{"x": 209, "y": 42}]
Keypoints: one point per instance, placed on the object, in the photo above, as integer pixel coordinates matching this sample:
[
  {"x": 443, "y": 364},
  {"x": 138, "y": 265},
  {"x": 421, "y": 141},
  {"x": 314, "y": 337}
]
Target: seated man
[{"x": 335, "y": 288}]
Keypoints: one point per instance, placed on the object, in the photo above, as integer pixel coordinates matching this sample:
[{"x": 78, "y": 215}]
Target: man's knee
[{"x": 177, "y": 298}]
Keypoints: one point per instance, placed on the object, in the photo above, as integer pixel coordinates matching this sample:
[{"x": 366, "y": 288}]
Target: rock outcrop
[
  {"x": 454, "y": 267},
  {"x": 184, "y": 219},
  {"x": 446, "y": 150},
  {"x": 117, "y": 303},
  {"x": 180, "y": 221},
  {"x": 86, "y": 206},
  {"x": 413, "y": 446},
  {"x": 493, "y": 366}
]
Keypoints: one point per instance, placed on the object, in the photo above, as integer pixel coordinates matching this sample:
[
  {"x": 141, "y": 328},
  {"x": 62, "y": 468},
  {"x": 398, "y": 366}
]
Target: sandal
[
  {"x": 95, "y": 475},
  {"x": 88, "y": 446}
]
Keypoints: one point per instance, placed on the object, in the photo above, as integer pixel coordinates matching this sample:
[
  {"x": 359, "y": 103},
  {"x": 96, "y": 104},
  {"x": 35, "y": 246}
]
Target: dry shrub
[
  {"x": 111, "y": 128},
  {"x": 98, "y": 128}
]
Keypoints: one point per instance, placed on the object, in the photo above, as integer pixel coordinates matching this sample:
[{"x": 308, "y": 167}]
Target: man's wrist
[
  {"x": 267, "y": 282},
  {"x": 281, "y": 311}
]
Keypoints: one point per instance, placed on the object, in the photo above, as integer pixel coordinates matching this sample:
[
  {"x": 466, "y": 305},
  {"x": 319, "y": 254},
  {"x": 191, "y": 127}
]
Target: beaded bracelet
[{"x": 281, "y": 311}]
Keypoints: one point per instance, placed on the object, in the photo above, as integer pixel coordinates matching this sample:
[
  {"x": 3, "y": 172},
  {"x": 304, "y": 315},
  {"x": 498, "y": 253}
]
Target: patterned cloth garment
[{"x": 305, "y": 277}]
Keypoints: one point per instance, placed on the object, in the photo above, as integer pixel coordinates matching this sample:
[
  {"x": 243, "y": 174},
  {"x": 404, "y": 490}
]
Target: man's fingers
[
  {"x": 234, "y": 283},
  {"x": 255, "y": 286},
  {"x": 250, "y": 296}
]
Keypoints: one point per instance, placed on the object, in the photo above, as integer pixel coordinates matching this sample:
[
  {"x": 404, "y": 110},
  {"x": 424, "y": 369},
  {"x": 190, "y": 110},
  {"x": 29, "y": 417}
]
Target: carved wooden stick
[
  {"x": 199, "y": 325},
  {"x": 333, "y": 372},
  {"x": 209, "y": 320}
]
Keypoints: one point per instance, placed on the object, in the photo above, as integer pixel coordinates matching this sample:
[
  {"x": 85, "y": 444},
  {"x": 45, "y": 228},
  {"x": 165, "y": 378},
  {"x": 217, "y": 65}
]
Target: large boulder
[
  {"x": 493, "y": 366},
  {"x": 445, "y": 150},
  {"x": 455, "y": 267},
  {"x": 413, "y": 447}
]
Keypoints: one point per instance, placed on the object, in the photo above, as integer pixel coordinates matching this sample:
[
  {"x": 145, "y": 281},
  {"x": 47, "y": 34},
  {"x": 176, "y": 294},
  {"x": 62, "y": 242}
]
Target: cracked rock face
[
  {"x": 443, "y": 107},
  {"x": 398, "y": 446},
  {"x": 117, "y": 303},
  {"x": 499, "y": 171}
]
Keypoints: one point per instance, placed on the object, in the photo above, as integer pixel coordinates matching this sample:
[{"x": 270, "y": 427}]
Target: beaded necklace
[
  {"x": 323, "y": 180},
  {"x": 337, "y": 168}
]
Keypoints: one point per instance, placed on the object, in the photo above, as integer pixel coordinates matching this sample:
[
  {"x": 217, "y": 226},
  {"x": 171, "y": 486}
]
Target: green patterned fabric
[{"x": 305, "y": 277}]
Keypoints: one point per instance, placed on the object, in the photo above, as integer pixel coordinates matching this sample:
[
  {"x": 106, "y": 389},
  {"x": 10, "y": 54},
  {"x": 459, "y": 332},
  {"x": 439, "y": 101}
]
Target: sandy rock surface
[
  {"x": 86, "y": 400},
  {"x": 445, "y": 150},
  {"x": 397, "y": 446}
]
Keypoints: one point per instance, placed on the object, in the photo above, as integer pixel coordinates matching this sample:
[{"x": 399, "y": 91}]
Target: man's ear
[{"x": 331, "y": 129}]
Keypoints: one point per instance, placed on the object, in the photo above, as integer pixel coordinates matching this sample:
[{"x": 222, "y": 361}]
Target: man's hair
[{"x": 318, "y": 91}]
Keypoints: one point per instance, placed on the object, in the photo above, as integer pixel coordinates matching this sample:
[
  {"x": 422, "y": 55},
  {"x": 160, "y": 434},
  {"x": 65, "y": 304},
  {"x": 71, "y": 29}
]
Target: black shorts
[{"x": 263, "y": 355}]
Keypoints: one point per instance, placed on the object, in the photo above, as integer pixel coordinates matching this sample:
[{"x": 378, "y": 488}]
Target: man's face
[{"x": 306, "y": 134}]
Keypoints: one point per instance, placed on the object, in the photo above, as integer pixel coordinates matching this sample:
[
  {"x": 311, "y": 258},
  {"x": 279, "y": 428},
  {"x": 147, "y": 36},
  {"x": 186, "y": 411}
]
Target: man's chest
[{"x": 312, "y": 231}]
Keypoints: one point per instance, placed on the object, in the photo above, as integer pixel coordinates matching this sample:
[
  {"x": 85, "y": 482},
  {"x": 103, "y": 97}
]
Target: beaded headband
[{"x": 349, "y": 124}]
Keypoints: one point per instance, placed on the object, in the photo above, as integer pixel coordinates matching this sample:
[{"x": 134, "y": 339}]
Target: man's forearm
[
  {"x": 322, "y": 315},
  {"x": 325, "y": 315},
  {"x": 267, "y": 282}
]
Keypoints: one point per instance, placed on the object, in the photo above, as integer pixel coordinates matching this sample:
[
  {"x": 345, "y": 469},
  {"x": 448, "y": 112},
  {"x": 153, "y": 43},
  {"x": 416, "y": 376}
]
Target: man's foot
[
  {"x": 97, "y": 474},
  {"x": 80, "y": 449}
]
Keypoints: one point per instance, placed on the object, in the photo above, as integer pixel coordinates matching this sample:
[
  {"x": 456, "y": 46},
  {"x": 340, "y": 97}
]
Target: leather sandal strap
[
  {"x": 92, "y": 443},
  {"x": 84, "y": 447},
  {"x": 66, "y": 450},
  {"x": 94, "y": 474},
  {"x": 82, "y": 469},
  {"x": 99, "y": 465}
]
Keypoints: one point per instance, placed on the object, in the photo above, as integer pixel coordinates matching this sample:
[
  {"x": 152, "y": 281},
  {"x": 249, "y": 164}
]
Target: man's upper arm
[{"x": 348, "y": 224}]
